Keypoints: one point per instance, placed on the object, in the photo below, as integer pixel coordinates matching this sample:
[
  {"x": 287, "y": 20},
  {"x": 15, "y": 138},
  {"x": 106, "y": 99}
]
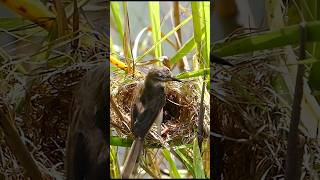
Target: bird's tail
[{"x": 132, "y": 157}]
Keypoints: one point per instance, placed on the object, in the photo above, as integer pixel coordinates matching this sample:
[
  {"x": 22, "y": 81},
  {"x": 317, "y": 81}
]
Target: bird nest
[
  {"x": 249, "y": 119},
  {"x": 180, "y": 113},
  {"x": 42, "y": 122}
]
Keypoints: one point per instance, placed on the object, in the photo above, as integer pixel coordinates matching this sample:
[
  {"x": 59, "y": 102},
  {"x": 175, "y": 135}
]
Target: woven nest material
[
  {"x": 46, "y": 116},
  {"x": 180, "y": 113},
  {"x": 43, "y": 123},
  {"x": 253, "y": 122}
]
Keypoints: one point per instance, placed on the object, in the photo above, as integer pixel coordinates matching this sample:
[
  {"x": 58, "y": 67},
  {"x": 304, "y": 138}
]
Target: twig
[
  {"x": 201, "y": 116},
  {"x": 75, "y": 26},
  {"x": 228, "y": 138},
  {"x": 295, "y": 147},
  {"x": 15, "y": 143}
]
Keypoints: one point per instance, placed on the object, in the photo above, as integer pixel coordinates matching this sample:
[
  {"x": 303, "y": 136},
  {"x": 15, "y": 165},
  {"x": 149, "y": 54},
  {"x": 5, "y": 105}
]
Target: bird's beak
[{"x": 174, "y": 79}]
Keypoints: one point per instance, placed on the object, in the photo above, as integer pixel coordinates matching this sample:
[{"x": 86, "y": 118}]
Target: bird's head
[{"x": 161, "y": 74}]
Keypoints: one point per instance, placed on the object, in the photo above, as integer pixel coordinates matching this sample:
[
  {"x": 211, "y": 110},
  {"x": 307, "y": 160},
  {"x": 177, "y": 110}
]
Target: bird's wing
[
  {"x": 87, "y": 112},
  {"x": 144, "y": 115},
  {"x": 77, "y": 157}
]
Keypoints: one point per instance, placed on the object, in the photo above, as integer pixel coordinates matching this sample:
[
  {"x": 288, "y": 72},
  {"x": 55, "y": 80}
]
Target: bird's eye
[{"x": 159, "y": 78}]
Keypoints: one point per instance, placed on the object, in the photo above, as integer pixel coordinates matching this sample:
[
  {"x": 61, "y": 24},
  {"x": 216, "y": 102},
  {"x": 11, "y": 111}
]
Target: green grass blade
[
  {"x": 185, "y": 49},
  {"x": 185, "y": 160},
  {"x": 114, "y": 166},
  {"x": 206, "y": 23},
  {"x": 154, "y": 10},
  {"x": 197, "y": 29},
  {"x": 164, "y": 38},
  {"x": 267, "y": 40},
  {"x": 201, "y": 26},
  {"x": 115, "y": 7},
  {"x": 117, "y": 141},
  {"x": 196, "y": 22},
  {"x": 173, "y": 168},
  {"x": 195, "y": 73},
  {"x": 197, "y": 161}
]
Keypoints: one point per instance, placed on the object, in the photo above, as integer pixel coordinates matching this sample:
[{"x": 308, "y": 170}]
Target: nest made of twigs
[
  {"x": 180, "y": 113},
  {"x": 46, "y": 113},
  {"x": 249, "y": 121},
  {"x": 42, "y": 122}
]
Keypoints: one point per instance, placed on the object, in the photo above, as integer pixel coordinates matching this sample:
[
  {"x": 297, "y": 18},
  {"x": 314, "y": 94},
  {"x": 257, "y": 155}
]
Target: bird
[
  {"x": 219, "y": 60},
  {"x": 147, "y": 108},
  {"x": 87, "y": 153}
]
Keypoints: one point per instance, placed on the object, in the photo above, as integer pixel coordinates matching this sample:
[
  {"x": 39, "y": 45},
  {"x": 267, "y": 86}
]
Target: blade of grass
[
  {"x": 196, "y": 23},
  {"x": 206, "y": 22},
  {"x": 32, "y": 10},
  {"x": 154, "y": 10},
  {"x": 186, "y": 160},
  {"x": 9, "y": 23},
  {"x": 197, "y": 161},
  {"x": 173, "y": 168},
  {"x": 61, "y": 18},
  {"x": 114, "y": 166},
  {"x": 266, "y": 40},
  {"x": 126, "y": 37},
  {"x": 136, "y": 43},
  {"x": 192, "y": 74},
  {"x": 115, "y": 7},
  {"x": 70, "y": 8},
  {"x": 164, "y": 38},
  {"x": 117, "y": 141},
  {"x": 197, "y": 29},
  {"x": 185, "y": 49}
]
